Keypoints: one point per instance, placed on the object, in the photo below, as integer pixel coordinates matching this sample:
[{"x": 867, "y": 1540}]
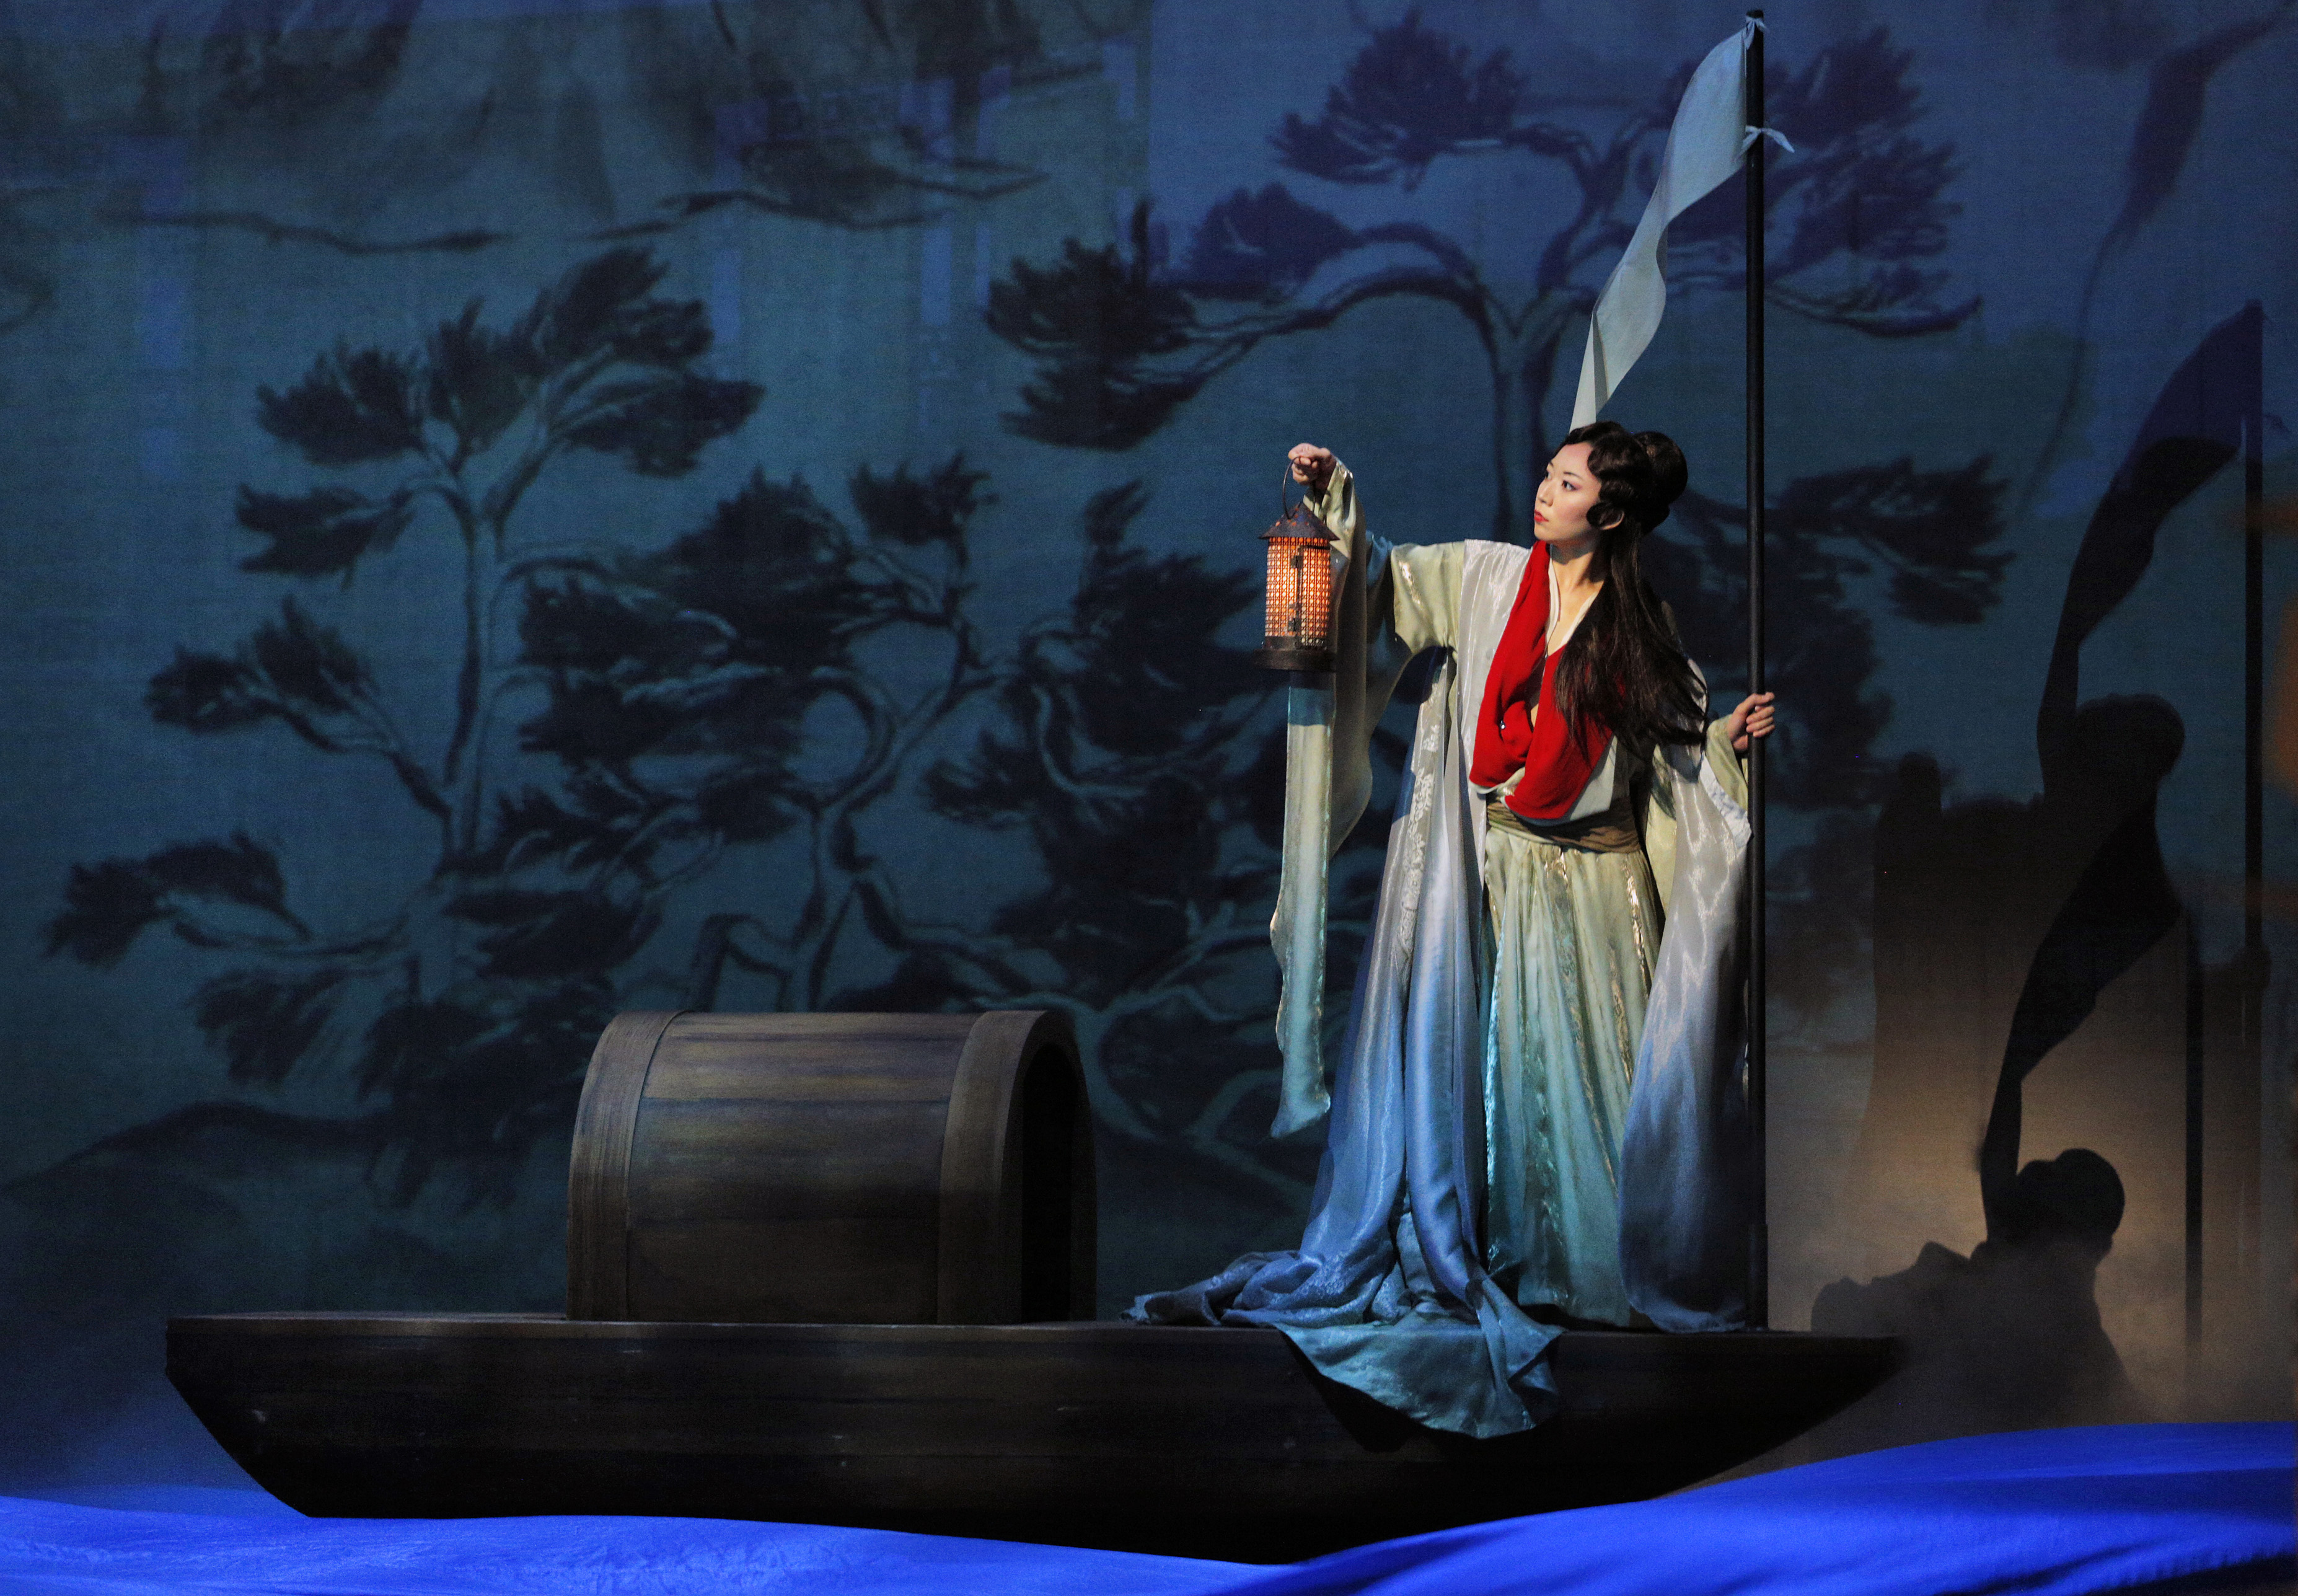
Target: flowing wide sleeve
[
  {"x": 1389, "y": 604},
  {"x": 1687, "y": 1187}
]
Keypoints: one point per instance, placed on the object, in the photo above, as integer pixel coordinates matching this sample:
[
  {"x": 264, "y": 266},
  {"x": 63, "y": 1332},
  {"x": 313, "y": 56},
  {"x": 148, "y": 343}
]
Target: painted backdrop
[{"x": 518, "y": 509}]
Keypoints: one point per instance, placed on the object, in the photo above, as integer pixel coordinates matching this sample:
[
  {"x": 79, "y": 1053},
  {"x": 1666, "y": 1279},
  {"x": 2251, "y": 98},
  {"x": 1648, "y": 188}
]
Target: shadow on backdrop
[{"x": 2011, "y": 1338}]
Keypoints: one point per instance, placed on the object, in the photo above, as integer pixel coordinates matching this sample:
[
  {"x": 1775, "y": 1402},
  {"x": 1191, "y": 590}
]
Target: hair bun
[
  {"x": 1670, "y": 475},
  {"x": 1639, "y": 474}
]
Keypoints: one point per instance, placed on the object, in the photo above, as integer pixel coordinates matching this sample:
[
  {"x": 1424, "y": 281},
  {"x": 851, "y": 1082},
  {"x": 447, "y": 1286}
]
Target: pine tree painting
[
  {"x": 634, "y": 710},
  {"x": 663, "y": 688},
  {"x": 453, "y": 1011},
  {"x": 1123, "y": 335},
  {"x": 626, "y": 717}
]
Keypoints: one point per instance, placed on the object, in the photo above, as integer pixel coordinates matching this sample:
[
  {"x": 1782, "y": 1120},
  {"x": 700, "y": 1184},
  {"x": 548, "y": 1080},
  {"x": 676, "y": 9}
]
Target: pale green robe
[
  {"x": 1537, "y": 1116},
  {"x": 1570, "y": 939}
]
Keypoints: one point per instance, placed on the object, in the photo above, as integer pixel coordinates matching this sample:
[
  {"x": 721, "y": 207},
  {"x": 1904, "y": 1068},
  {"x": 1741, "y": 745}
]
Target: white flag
[{"x": 1704, "y": 147}]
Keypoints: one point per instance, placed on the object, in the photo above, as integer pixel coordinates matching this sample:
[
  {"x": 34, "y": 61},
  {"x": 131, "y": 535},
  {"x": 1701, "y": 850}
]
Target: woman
[{"x": 1537, "y": 1120}]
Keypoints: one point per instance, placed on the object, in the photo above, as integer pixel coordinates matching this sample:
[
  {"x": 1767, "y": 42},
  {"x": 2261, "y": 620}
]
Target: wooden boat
[
  {"x": 1201, "y": 1442},
  {"x": 935, "y": 1171}
]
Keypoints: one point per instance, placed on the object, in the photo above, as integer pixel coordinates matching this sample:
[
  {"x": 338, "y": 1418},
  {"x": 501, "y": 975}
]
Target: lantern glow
[{"x": 1297, "y": 635}]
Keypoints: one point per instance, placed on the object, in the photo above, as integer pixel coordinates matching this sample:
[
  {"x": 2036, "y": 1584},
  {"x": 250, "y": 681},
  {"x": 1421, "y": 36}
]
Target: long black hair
[{"x": 1625, "y": 668}]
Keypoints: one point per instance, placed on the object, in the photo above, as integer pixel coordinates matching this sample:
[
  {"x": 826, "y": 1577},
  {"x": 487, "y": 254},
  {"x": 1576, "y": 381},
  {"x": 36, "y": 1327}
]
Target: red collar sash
[{"x": 1557, "y": 766}]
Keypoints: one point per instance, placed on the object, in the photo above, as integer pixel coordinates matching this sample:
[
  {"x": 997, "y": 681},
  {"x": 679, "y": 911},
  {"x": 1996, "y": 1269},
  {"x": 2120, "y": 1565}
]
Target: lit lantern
[{"x": 1298, "y": 636}]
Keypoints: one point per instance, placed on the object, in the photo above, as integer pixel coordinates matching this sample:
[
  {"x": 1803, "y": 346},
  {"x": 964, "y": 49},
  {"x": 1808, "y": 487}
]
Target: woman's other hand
[
  {"x": 1311, "y": 467},
  {"x": 1752, "y": 718}
]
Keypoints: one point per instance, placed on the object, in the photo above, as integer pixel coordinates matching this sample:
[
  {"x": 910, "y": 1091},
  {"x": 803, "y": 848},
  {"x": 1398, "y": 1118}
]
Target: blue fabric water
[
  {"x": 49, "y": 1549},
  {"x": 2043, "y": 1513}
]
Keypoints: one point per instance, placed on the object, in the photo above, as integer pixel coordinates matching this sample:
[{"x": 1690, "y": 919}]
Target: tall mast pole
[
  {"x": 2253, "y": 1056},
  {"x": 1759, "y": 1263}
]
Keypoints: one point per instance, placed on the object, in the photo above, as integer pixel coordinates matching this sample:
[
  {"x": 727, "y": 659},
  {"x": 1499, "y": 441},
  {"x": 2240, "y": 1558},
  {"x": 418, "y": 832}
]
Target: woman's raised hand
[
  {"x": 1753, "y": 718},
  {"x": 1311, "y": 466}
]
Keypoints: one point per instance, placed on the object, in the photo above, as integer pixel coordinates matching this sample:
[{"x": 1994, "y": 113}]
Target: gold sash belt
[{"x": 1614, "y": 832}]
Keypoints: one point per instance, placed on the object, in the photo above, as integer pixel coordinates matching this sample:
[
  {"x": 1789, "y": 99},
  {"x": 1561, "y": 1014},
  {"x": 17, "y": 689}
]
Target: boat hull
[{"x": 1204, "y": 1443}]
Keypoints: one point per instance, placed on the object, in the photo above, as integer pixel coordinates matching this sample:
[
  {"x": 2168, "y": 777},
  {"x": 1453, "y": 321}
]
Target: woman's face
[{"x": 1559, "y": 510}]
